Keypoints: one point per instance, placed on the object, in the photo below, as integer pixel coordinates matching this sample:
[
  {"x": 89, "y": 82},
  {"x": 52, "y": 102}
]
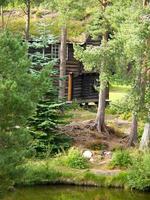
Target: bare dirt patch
[{"x": 86, "y": 137}]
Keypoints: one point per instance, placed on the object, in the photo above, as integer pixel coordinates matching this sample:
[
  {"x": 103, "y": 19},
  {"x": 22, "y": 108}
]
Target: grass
[
  {"x": 47, "y": 172},
  {"x": 117, "y": 92},
  {"x": 80, "y": 114}
]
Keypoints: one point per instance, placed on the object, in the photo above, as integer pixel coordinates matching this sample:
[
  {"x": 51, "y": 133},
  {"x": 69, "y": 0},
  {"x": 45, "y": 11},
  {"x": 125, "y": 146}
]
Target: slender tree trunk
[
  {"x": 100, "y": 118},
  {"x": 145, "y": 3},
  {"x": 62, "y": 76},
  {"x": 134, "y": 133},
  {"x": 145, "y": 141},
  {"x": 2, "y": 17},
  {"x": 28, "y": 13}
]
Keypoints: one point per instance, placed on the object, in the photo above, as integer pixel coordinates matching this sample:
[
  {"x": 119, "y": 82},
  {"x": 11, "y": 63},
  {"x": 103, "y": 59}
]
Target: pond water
[{"x": 74, "y": 193}]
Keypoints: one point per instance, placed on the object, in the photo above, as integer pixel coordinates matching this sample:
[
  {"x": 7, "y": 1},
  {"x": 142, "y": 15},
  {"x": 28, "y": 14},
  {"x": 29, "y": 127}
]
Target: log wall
[{"x": 83, "y": 85}]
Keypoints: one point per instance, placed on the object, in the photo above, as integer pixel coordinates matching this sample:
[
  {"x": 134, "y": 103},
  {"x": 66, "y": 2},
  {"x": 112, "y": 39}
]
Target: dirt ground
[{"x": 85, "y": 137}]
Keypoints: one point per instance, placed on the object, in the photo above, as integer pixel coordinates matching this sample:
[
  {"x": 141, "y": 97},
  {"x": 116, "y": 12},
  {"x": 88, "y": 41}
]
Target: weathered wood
[
  {"x": 70, "y": 79},
  {"x": 83, "y": 83},
  {"x": 62, "y": 68}
]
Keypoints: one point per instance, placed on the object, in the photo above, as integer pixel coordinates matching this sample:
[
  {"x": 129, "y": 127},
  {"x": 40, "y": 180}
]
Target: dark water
[{"x": 74, "y": 193}]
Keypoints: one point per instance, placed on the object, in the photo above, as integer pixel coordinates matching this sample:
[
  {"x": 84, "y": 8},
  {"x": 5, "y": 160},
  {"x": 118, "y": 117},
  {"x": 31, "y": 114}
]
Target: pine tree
[{"x": 19, "y": 93}]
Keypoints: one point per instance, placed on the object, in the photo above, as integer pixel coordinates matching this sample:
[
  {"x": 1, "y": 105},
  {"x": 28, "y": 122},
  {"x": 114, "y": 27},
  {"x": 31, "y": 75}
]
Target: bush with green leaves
[
  {"x": 120, "y": 106},
  {"x": 121, "y": 158},
  {"x": 75, "y": 159},
  {"x": 139, "y": 174}
]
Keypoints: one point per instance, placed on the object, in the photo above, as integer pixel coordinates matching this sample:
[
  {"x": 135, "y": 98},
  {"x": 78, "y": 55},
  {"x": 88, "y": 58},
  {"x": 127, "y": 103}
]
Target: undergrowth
[{"x": 121, "y": 158}]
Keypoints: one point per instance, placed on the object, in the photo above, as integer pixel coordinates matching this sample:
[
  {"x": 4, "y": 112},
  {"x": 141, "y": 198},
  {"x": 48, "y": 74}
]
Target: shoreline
[{"x": 84, "y": 178}]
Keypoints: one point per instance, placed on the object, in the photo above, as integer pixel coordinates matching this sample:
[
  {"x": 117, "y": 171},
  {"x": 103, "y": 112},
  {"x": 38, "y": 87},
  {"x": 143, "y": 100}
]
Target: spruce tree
[{"x": 20, "y": 91}]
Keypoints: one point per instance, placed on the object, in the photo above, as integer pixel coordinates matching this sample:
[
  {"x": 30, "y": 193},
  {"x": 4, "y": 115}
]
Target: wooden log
[{"x": 70, "y": 79}]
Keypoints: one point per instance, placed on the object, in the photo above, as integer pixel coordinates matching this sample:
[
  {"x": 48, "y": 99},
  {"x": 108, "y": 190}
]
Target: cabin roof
[{"x": 82, "y": 39}]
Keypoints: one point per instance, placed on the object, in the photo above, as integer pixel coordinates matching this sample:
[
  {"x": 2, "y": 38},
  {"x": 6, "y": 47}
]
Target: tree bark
[
  {"x": 100, "y": 118},
  {"x": 28, "y": 13},
  {"x": 145, "y": 3},
  {"x": 2, "y": 17},
  {"x": 134, "y": 133},
  {"x": 63, "y": 51},
  {"x": 145, "y": 141}
]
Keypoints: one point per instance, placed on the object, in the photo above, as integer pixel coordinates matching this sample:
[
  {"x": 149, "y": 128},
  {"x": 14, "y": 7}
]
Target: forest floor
[{"x": 85, "y": 137}]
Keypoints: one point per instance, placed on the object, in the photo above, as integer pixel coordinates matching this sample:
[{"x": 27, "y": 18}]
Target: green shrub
[
  {"x": 74, "y": 159},
  {"x": 139, "y": 174},
  {"x": 121, "y": 158},
  {"x": 43, "y": 126}
]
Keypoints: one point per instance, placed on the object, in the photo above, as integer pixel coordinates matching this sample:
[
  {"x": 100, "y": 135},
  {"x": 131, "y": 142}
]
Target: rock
[
  {"x": 91, "y": 160},
  {"x": 107, "y": 154},
  {"x": 87, "y": 154},
  {"x": 17, "y": 127},
  {"x": 11, "y": 188}
]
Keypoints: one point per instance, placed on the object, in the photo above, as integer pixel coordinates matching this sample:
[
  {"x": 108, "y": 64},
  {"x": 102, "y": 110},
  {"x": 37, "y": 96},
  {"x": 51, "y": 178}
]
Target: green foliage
[
  {"x": 37, "y": 48},
  {"x": 68, "y": 9},
  {"x": 47, "y": 171},
  {"x": 49, "y": 113},
  {"x": 16, "y": 84},
  {"x": 19, "y": 93},
  {"x": 74, "y": 159},
  {"x": 120, "y": 107},
  {"x": 139, "y": 175},
  {"x": 121, "y": 158},
  {"x": 48, "y": 139},
  {"x": 36, "y": 173}
]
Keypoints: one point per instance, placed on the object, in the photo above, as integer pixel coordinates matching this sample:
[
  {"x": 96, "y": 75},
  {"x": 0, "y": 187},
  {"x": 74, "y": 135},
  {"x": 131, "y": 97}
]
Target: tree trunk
[
  {"x": 100, "y": 118},
  {"x": 28, "y": 13},
  {"x": 145, "y": 3},
  {"x": 2, "y": 17},
  {"x": 63, "y": 51},
  {"x": 145, "y": 141},
  {"x": 134, "y": 134}
]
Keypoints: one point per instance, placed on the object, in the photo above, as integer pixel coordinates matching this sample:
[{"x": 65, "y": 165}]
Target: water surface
[{"x": 73, "y": 193}]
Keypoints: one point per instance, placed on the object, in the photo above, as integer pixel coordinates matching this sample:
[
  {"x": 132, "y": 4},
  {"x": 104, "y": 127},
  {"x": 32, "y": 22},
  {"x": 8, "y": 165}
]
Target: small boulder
[
  {"x": 106, "y": 154},
  {"x": 87, "y": 154}
]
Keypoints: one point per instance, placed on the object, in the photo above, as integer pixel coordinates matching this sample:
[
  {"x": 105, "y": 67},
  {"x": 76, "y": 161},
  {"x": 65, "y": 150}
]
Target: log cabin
[{"x": 80, "y": 84}]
